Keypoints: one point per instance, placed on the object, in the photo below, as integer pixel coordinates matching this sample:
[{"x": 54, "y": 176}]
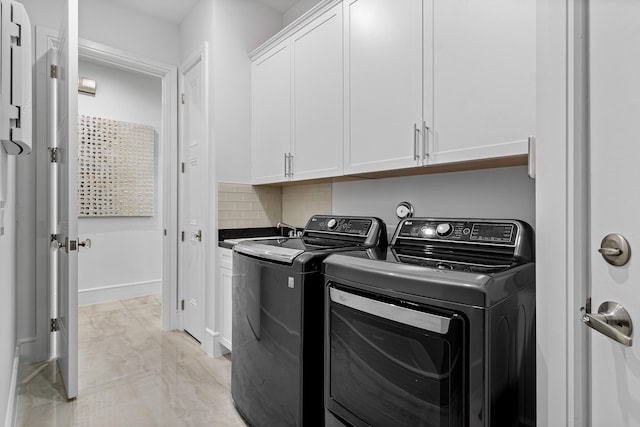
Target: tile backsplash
[
  {"x": 301, "y": 202},
  {"x": 247, "y": 206}
]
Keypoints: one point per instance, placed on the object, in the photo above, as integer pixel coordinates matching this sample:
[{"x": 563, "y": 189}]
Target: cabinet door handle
[
  {"x": 416, "y": 138},
  {"x": 286, "y": 174},
  {"x": 425, "y": 141},
  {"x": 290, "y": 165}
]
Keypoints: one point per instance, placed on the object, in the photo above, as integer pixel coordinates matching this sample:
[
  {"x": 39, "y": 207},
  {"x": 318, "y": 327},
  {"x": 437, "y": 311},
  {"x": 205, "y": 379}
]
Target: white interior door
[
  {"x": 615, "y": 202},
  {"x": 194, "y": 196},
  {"x": 66, "y": 221}
]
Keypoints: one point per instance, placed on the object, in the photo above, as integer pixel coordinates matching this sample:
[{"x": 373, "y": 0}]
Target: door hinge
[
  {"x": 182, "y": 98},
  {"x": 54, "y": 325},
  {"x": 182, "y": 236},
  {"x": 54, "y": 155},
  {"x": 182, "y": 167},
  {"x": 54, "y": 71},
  {"x": 182, "y": 305}
]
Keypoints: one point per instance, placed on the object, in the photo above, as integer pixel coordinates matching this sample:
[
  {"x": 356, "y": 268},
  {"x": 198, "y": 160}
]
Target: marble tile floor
[{"x": 130, "y": 373}]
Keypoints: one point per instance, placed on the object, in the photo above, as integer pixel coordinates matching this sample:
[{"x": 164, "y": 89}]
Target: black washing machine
[
  {"x": 278, "y": 319},
  {"x": 438, "y": 330}
]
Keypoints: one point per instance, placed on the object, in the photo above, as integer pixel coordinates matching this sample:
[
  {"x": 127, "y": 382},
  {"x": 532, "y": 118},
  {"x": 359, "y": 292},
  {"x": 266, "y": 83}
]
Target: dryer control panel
[
  {"x": 464, "y": 231},
  {"x": 508, "y": 236}
]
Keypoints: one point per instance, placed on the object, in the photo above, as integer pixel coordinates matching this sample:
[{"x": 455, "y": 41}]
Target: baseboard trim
[
  {"x": 12, "y": 404},
  {"x": 211, "y": 342},
  {"x": 119, "y": 291}
]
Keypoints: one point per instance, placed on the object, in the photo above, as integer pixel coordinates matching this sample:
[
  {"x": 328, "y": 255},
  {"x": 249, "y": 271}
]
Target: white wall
[
  {"x": 117, "y": 26},
  {"x": 240, "y": 27},
  {"x": 232, "y": 28},
  {"x": 113, "y": 25},
  {"x": 297, "y": 10},
  {"x": 8, "y": 280},
  {"x": 506, "y": 193},
  {"x": 126, "y": 257}
]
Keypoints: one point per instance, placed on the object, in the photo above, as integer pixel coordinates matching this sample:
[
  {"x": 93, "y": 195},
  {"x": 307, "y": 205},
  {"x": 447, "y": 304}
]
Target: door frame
[
  {"x": 106, "y": 55},
  {"x": 562, "y": 216},
  {"x": 96, "y": 52},
  {"x": 198, "y": 56}
]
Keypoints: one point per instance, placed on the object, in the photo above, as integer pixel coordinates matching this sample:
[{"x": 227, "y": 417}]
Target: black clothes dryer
[{"x": 438, "y": 330}]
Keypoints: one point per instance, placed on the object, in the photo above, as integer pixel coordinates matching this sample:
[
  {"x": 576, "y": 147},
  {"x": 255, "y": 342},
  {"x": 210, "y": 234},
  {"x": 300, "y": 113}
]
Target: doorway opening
[{"x": 163, "y": 224}]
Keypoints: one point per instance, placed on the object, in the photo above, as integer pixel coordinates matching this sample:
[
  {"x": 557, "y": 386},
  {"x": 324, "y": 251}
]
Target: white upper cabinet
[
  {"x": 363, "y": 86},
  {"x": 271, "y": 130},
  {"x": 383, "y": 84},
  {"x": 298, "y": 116},
  {"x": 484, "y": 63},
  {"x": 318, "y": 114}
]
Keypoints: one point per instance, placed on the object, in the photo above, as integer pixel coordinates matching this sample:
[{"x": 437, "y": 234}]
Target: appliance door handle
[{"x": 406, "y": 316}]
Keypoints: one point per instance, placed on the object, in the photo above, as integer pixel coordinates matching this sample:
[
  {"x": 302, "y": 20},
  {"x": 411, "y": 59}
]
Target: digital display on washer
[{"x": 498, "y": 233}]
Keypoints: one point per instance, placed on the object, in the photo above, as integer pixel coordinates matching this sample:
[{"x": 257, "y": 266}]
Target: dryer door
[{"x": 394, "y": 365}]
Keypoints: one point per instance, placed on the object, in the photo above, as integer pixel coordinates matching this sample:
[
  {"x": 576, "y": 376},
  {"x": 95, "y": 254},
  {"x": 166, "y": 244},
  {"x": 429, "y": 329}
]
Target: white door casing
[
  {"x": 66, "y": 232},
  {"x": 193, "y": 198},
  {"x": 614, "y": 70}
]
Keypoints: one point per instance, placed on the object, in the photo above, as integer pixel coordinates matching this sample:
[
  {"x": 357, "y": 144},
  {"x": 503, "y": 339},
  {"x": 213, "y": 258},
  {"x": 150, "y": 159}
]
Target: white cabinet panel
[
  {"x": 318, "y": 98},
  {"x": 484, "y": 54},
  {"x": 271, "y": 139},
  {"x": 383, "y": 84},
  {"x": 225, "y": 271}
]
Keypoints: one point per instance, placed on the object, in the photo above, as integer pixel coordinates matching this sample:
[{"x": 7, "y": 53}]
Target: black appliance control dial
[
  {"x": 444, "y": 229},
  {"x": 331, "y": 224}
]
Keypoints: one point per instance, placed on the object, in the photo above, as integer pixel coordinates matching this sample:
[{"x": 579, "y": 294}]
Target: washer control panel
[
  {"x": 340, "y": 225},
  {"x": 469, "y": 231}
]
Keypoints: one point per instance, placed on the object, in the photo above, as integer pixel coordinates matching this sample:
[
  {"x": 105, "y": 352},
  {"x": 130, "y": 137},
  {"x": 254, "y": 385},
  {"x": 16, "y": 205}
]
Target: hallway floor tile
[{"x": 130, "y": 373}]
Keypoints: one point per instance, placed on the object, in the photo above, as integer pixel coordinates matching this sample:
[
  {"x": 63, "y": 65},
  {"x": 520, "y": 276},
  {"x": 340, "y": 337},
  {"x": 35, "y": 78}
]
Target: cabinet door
[
  {"x": 318, "y": 98},
  {"x": 383, "y": 84},
  {"x": 483, "y": 78},
  {"x": 225, "y": 269},
  {"x": 271, "y": 133}
]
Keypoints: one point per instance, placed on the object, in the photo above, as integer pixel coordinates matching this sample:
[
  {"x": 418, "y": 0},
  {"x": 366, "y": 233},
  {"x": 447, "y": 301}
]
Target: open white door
[
  {"x": 65, "y": 268},
  {"x": 193, "y": 194},
  {"x": 614, "y": 70}
]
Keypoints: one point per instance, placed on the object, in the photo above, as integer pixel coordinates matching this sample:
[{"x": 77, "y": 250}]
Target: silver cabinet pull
[
  {"x": 290, "y": 164},
  {"x": 611, "y": 320},
  {"x": 285, "y": 165},
  {"x": 416, "y": 138},
  {"x": 425, "y": 140}
]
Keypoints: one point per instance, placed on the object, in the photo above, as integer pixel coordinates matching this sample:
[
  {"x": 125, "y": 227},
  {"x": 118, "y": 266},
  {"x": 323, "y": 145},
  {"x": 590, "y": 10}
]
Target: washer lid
[{"x": 272, "y": 249}]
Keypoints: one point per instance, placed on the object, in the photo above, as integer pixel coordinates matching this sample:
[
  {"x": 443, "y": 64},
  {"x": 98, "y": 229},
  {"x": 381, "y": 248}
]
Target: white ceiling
[
  {"x": 175, "y": 10},
  {"x": 168, "y": 10},
  {"x": 280, "y": 5}
]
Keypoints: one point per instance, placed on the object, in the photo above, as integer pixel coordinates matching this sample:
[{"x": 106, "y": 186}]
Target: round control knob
[
  {"x": 331, "y": 224},
  {"x": 444, "y": 229}
]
